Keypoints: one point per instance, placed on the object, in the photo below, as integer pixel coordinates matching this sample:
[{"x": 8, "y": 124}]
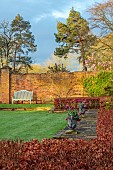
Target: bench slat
[{"x": 22, "y": 95}]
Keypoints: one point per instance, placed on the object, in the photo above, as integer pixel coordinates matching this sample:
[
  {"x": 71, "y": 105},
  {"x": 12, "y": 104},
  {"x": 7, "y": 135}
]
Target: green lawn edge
[
  {"x": 28, "y": 125},
  {"x": 25, "y": 105}
]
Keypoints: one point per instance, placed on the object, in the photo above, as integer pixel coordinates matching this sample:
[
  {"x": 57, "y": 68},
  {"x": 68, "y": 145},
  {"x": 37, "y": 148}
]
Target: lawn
[
  {"x": 25, "y": 105},
  {"x": 27, "y": 125}
]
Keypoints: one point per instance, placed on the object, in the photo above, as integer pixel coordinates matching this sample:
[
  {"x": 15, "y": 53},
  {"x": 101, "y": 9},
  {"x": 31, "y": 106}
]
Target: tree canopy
[
  {"x": 100, "y": 56},
  {"x": 102, "y": 17},
  {"x": 74, "y": 37},
  {"x": 16, "y": 42},
  {"x": 100, "y": 85},
  {"x": 101, "y": 53}
]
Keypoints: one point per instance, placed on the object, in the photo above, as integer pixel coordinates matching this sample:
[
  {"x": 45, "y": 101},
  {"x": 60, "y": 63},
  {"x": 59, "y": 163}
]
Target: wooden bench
[{"x": 22, "y": 95}]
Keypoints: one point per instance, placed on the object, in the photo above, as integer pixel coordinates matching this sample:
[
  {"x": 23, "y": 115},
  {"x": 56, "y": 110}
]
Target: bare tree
[{"x": 102, "y": 17}]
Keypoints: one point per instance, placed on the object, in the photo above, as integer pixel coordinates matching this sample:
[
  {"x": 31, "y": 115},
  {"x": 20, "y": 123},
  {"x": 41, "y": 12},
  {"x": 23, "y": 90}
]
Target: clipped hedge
[
  {"x": 63, "y": 154},
  {"x": 104, "y": 127},
  {"x": 57, "y": 154},
  {"x": 91, "y": 102}
]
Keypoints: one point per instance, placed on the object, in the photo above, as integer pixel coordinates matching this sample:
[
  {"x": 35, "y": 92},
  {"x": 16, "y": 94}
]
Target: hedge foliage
[
  {"x": 63, "y": 154},
  {"x": 57, "y": 154},
  {"x": 100, "y": 85},
  {"x": 104, "y": 126}
]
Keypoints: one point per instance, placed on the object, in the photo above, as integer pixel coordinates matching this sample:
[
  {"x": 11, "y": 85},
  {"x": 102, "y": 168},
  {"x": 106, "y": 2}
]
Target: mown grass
[
  {"x": 27, "y": 125},
  {"x": 25, "y": 105}
]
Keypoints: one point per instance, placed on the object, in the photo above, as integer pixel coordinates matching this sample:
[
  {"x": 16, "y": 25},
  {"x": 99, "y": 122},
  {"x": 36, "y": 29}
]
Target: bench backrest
[{"x": 23, "y": 94}]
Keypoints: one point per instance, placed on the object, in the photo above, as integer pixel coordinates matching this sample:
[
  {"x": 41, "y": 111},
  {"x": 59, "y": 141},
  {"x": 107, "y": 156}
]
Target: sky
[{"x": 43, "y": 16}]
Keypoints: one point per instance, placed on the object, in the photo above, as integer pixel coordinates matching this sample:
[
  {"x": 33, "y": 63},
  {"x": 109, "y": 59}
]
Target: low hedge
[
  {"x": 54, "y": 154},
  {"x": 92, "y": 102},
  {"x": 104, "y": 126},
  {"x": 63, "y": 154}
]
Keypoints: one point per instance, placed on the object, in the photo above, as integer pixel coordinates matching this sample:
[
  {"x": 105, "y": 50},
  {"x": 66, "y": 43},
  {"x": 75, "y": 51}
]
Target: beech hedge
[
  {"x": 54, "y": 154},
  {"x": 62, "y": 154},
  {"x": 104, "y": 126}
]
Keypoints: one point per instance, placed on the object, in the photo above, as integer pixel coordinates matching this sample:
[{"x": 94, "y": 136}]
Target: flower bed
[{"x": 91, "y": 102}]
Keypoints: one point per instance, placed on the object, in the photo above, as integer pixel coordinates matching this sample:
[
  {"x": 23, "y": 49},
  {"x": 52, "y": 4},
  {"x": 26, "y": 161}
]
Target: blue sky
[{"x": 43, "y": 16}]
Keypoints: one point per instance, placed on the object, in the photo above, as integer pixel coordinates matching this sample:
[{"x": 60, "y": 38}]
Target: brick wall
[
  {"x": 5, "y": 85},
  {"x": 49, "y": 86},
  {"x": 45, "y": 86}
]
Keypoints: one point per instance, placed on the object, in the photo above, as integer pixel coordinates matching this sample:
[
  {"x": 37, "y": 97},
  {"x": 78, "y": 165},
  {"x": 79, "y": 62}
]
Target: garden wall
[{"x": 45, "y": 86}]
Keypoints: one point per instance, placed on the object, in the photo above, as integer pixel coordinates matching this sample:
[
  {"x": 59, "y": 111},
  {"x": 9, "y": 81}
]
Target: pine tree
[
  {"x": 74, "y": 37},
  {"x": 16, "y": 42}
]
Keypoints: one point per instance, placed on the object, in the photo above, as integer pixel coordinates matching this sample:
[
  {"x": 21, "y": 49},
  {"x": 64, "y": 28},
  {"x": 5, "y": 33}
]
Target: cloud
[
  {"x": 56, "y": 14},
  {"x": 78, "y": 6},
  {"x": 84, "y": 5},
  {"x": 60, "y": 14},
  {"x": 40, "y": 17}
]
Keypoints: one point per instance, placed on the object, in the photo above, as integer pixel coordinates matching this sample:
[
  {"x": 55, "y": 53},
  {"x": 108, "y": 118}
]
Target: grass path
[{"x": 27, "y": 125}]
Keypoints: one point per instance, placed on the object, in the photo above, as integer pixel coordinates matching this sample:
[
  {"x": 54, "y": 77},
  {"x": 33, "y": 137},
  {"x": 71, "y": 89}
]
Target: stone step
[
  {"x": 62, "y": 134},
  {"x": 86, "y": 128}
]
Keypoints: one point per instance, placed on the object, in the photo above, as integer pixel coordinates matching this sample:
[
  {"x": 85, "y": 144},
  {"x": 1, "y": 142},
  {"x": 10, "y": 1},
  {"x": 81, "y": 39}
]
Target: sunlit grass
[
  {"x": 25, "y": 105},
  {"x": 27, "y": 125}
]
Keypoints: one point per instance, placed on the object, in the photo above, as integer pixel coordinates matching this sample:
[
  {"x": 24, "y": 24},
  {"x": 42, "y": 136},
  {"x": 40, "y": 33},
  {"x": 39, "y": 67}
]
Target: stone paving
[{"x": 86, "y": 127}]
